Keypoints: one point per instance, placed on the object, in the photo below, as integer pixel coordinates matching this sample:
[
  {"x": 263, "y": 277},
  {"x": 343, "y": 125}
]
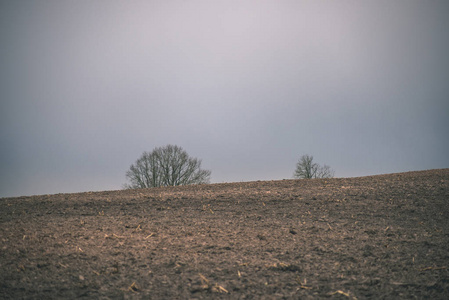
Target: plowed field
[{"x": 384, "y": 236}]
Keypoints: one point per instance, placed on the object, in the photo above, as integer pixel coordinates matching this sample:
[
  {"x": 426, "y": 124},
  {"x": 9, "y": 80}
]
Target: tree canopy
[
  {"x": 306, "y": 168},
  {"x": 166, "y": 166}
]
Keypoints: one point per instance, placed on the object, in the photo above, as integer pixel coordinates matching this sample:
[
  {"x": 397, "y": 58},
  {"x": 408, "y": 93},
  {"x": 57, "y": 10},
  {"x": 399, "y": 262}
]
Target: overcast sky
[{"x": 246, "y": 86}]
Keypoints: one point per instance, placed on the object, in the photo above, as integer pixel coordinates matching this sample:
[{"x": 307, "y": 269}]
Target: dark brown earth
[{"x": 380, "y": 237}]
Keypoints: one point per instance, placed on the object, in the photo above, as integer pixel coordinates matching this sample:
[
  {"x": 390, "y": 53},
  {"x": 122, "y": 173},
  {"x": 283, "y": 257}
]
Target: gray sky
[{"x": 246, "y": 86}]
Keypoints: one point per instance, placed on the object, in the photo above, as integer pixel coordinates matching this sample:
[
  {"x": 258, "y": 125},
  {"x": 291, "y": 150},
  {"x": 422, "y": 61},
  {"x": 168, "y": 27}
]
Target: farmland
[{"x": 383, "y": 236}]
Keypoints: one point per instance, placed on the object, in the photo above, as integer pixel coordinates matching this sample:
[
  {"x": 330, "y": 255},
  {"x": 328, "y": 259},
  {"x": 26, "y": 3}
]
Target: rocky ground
[{"x": 380, "y": 237}]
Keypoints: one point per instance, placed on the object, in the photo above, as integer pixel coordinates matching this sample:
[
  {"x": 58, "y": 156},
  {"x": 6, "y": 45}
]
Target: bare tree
[
  {"x": 306, "y": 168},
  {"x": 166, "y": 166},
  {"x": 324, "y": 171}
]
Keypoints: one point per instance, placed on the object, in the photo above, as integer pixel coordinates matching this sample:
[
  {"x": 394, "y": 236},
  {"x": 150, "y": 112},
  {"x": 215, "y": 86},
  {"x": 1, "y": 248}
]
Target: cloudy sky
[{"x": 246, "y": 86}]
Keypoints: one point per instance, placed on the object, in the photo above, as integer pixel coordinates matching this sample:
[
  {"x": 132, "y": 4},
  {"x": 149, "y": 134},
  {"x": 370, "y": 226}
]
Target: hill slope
[{"x": 376, "y": 236}]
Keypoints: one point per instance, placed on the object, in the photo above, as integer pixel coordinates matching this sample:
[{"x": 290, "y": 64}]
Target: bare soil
[{"x": 379, "y": 237}]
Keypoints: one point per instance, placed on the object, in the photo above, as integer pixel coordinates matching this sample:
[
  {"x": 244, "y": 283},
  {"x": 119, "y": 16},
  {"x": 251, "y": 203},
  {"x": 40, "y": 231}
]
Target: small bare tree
[
  {"x": 306, "y": 168},
  {"x": 166, "y": 166}
]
